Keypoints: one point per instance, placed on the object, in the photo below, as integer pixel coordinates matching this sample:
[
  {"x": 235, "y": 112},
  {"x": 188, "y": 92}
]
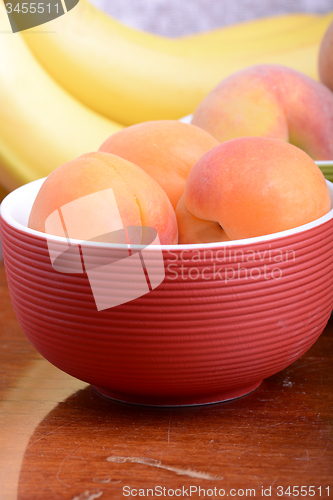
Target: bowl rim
[
  {"x": 324, "y": 163},
  {"x": 16, "y": 196}
]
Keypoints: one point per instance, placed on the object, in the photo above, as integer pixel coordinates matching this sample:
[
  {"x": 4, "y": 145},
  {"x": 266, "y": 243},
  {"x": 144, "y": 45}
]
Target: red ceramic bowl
[{"x": 226, "y": 315}]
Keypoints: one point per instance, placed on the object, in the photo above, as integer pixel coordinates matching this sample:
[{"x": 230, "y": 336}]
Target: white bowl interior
[
  {"x": 16, "y": 207},
  {"x": 327, "y": 163},
  {"x": 186, "y": 119}
]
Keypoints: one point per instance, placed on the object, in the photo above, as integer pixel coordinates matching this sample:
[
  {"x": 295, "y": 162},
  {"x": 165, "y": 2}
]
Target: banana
[
  {"x": 41, "y": 124},
  {"x": 235, "y": 36},
  {"x": 131, "y": 76}
]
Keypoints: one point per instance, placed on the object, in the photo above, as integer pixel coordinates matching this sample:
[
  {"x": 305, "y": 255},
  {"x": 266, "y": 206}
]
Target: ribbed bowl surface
[{"x": 224, "y": 318}]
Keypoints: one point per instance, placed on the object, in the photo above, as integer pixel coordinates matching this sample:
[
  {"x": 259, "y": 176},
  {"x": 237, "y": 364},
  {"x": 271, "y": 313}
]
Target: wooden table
[{"x": 59, "y": 439}]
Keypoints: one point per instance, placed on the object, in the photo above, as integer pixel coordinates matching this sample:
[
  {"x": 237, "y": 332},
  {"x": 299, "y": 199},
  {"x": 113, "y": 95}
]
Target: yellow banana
[
  {"x": 41, "y": 124},
  {"x": 132, "y": 76},
  {"x": 260, "y": 30}
]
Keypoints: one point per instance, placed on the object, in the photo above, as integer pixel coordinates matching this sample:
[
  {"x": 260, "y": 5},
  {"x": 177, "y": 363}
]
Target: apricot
[
  {"x": 126, "y": 196},
  {"x": 271, "y": 101},
  {"x": 164, "y": 149},
  {"x": 194, "y": 230},
  {"x": 325, "y": 61},
  {"x": 253, "y": 186}
]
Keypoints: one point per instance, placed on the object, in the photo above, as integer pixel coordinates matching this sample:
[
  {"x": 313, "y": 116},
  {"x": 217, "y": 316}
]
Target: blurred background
[{"x": 182, "y": 17}]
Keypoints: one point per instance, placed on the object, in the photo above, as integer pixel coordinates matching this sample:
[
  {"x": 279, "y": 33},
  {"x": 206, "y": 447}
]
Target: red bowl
[{"x": 225, "y": 316}]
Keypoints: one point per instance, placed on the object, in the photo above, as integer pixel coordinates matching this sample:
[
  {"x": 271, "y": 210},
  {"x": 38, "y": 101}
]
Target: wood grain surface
[{"x": 59, "y": 439}]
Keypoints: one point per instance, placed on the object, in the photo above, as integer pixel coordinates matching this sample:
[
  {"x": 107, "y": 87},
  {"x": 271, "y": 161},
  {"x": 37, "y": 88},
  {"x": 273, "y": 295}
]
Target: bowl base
[{"x": 150, "y": 400}]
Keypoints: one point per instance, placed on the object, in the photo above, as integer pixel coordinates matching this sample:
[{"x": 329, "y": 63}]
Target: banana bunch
[
  {"x": 41, "y": 124},
  {"x": 65, "y": 90},
  {"x": 130, "y": 76}
]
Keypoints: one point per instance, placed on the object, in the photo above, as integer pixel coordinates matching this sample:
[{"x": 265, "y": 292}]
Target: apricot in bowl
[
  {"x": 226, "y": 315},
  {"x": 250, "y": 186},
  {"x": 161, "y": 323}
]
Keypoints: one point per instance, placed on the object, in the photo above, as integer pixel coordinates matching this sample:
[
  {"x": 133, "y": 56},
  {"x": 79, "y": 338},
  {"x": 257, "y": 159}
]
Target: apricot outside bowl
[
  {"x": 325, "y": 166},
  {"x": 225, "y": 316}
]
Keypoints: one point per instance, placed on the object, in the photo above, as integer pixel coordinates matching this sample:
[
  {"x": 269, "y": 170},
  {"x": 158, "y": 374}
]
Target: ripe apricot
[
  {"x": 138, "y": 199},
  {"x": 194, "y": 230},
  {"x": 164, "y": 149},
  {"x": 254, "y": 186},
  {"x": 325, "y": 61},
  {"x": 274, "y": 101}
]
